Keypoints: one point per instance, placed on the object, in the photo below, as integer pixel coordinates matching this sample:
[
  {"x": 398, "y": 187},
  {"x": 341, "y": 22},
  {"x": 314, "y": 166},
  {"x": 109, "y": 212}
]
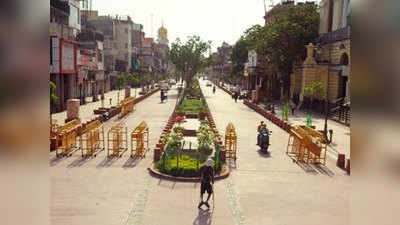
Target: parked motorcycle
[{"x": 263, "y": 136}]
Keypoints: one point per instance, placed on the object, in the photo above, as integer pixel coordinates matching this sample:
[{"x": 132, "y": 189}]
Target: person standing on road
[
  {"x": 162, "y": 96},
  {"x": 214, "y": 89},
  {"x": 236, "y": 96},
  {"x": 206, "y": 178}
]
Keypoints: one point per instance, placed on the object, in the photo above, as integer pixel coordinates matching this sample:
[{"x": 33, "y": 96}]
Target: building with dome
[{"x": 161, "y": 49}]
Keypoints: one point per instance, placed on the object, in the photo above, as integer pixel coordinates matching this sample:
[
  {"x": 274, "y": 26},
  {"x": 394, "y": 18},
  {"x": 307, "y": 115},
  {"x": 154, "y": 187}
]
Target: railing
[{"x": 337, "y": 35}]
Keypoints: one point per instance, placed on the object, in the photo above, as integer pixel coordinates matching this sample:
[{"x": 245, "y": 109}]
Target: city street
[{"x": 261, "y": 189}]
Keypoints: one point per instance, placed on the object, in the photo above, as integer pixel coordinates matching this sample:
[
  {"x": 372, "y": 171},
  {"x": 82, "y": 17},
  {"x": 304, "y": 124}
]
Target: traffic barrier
[
  {"x": 317, "y": 146},
  {"x": 140, "y": 140},
  {"x": 92, "y": 139},
  {"x": 230, "y": 142},
  {"x": 68, "y": 136},
  {"x": 117, "y": 140},
  {"x": 295, "y": 147},
  {"x": 127, "y": 106}
]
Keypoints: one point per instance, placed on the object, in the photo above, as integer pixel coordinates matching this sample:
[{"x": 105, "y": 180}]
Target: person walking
[
  {"x": 236, "y": 96},
  {"x": 292, "y": 106},
  {"x": 206, "y": 178},
  {"x": 214, "y": 89},
  {"x": 162, "y": 96}
]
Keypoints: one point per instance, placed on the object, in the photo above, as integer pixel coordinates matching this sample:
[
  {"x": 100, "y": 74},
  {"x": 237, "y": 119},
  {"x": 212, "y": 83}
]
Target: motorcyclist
[{"x": 260, "y": 126}]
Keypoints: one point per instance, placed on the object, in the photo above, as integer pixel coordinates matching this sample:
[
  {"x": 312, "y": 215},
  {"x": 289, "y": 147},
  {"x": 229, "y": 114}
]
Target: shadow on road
[
  {"x": 80, "y": 161},
  {"x": 107, "y": 162},
  {"x": 307, "y": 168},
  {"x": 131, "y": 162},
  {"x": 203, "y": 218},
  {"x": 55, "y": 160},
  {"x": 264, "y": 154},
  {"x": 323, "y": 170}
]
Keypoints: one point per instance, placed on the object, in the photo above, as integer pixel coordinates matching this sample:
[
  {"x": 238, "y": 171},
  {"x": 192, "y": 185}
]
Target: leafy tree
[
  {"x": 121, "y": 80},
  {"x": 190, "y": 53},
  {"x": 53, "y": 96},
  {"x": 283, "y": 40},
  {"x": 317, "y": 89}
]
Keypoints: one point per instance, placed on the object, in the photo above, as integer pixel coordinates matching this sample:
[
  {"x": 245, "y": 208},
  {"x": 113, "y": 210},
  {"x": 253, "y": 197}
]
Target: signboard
[
  {"x": 100, "y": 75},
  {"x": 68, "y": 57},
  {"x": 55, "y": 55}
]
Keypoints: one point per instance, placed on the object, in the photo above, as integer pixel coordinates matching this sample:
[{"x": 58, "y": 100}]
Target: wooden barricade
[
  {"x": 127, "y": 106},
  {"x": 53, "y": 128},
  {"x": 230, "y": 142},
  {"x": 318, "y": 146},
  {"x": 140, "y": 140},
  {"x": 306, "y": 144},
  {"x": 68, "y": 136},
  {"x": 92, "y": 139},
  {"x": 117, "y": 140}
]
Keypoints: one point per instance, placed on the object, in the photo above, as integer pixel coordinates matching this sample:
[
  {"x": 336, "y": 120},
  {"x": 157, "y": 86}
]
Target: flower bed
[{"x": 171, "y": 157}]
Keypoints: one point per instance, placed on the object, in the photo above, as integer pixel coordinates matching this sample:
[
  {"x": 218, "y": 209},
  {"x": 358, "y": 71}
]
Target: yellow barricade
[
  {"x": 318, "y": 146},
  {"x": 92, "y": 139},
  {"x": 230, "y": 142},
  {"x": 117, "y": 138},
  {"x": 53, "y": 128},
  {"x": 140, "y": 140},
  {"x": 306, "y": 144},
  {"x": 68, "y": 136},
  {"x": 127, "y": 106}
]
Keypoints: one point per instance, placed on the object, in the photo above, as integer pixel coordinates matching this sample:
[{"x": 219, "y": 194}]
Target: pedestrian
[
  {"x": 292, "y": 106},
  {"x": 236, "y": 96},
  {"x": 206, "y": 178},
  {"x": 162, "y": 96},
  {"x": 214, "y": 89}
]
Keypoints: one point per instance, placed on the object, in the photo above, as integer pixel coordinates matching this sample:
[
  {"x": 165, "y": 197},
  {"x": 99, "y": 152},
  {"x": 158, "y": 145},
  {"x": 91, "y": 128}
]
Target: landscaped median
[{"x": 190, "y": 137}]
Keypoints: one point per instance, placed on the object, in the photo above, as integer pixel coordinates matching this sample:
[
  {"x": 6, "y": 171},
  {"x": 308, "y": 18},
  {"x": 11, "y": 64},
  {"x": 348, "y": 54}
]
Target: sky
[{"x": 215, "y": 20}]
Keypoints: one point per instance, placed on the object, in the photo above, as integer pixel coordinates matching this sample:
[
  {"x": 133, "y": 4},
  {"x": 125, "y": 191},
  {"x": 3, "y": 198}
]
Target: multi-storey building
[
  {"x": 64, "y": 27},
  {"x": 328, "y": 59}
]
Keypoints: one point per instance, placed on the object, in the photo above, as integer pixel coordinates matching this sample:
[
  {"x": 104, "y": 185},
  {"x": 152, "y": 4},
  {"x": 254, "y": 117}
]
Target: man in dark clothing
[
  {"x": 236, "y": 96},
  {"x": 162, "y": 96},
  {"x": 206, "y": 176},
  {"x": 214, "y": 89}
]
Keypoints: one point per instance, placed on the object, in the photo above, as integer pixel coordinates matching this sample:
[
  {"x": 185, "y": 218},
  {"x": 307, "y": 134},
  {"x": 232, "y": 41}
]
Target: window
[
  {"x": 126, "y": 57},
  {"x": 126, "y": 30},
  {"x": 126, "y": 45}
]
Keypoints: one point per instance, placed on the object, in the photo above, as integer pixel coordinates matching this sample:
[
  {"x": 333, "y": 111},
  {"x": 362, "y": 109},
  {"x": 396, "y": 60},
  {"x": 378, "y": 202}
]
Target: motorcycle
[{"x": 264, "y": 139}]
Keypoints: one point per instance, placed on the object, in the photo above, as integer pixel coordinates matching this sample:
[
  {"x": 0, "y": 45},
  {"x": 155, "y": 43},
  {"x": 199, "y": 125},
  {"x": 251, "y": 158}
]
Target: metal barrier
[
  {"x": 117, "y": 140},
  {"x": 307, "y": 144},
  {"x": 127, "y": 106},
  {"x": 68, "y": 136},
  {"x": 53, "y": 128},
  {"x": 92, "y": 139},
  {"x": 230, "y": 142},
  {"x": 140, "y": 140}
]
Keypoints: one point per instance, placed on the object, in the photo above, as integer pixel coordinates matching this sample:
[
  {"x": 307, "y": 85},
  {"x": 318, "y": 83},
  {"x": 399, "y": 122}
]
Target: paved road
[{"x": 260, "y": 190}]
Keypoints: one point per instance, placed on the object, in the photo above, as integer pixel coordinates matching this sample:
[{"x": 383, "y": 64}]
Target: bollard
[
  {"x": 348, "y": 166},
  {"x": 330, "y": 135},
  {"x": 341, "y": 161}
]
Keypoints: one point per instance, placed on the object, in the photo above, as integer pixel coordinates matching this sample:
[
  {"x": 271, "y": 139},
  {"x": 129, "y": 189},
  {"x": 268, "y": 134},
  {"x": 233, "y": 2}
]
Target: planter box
[
  {"x": 192, "y": 116},
  {"x": 189, "y": 133},
  {"x": 348, "y": 166}
]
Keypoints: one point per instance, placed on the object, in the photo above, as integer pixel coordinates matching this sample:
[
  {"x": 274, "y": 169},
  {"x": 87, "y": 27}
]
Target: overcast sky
[{"x": 215, "y": 20}]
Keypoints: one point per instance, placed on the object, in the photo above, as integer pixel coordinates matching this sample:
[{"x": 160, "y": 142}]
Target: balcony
[
  {"x": 334, "y": 36},
  {"x": 62, "y": 30}
]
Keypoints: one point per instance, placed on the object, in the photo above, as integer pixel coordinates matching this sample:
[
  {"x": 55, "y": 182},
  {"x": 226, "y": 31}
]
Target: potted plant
[{"x": 206, "y": 138}]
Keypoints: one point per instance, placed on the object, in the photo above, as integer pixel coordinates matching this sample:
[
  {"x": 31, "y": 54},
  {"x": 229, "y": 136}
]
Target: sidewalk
[
  {"x": 341, "y": 133},
  {"x": 86, "y": 111}
]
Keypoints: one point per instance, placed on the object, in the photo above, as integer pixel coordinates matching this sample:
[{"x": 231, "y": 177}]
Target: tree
[
  {"x": 189, "y": 57},
  {"x": 121, "y": 80},
  {"x": 316, "y": 90},
  {"x": 53, "y": 96},
  {"x": 283, "y": 40}
]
